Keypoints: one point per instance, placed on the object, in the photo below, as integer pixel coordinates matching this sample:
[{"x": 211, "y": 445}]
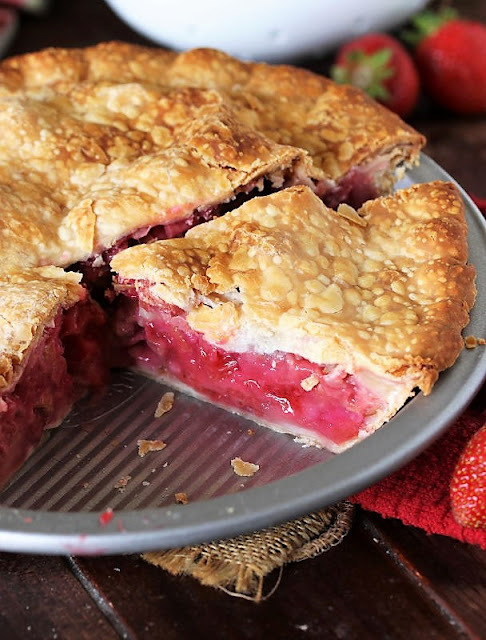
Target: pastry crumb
[
  {"x": 122, "y": 483},
  {"x": 310, "y": 382},
  {"x": 146, "y": 446},
  {"x": 242, "y": 468},
  {"x": 251, "y": 432},
  {"x": 471, "y": 342},
  {"x": 181, "y": 498},
  {"x": 166, "y": 403},
  {"x": 306, "y": 442}
]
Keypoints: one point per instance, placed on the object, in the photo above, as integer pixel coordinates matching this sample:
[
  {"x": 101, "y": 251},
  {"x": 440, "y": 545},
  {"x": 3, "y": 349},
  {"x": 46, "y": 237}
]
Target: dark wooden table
[{"x": 385, "y": 581}]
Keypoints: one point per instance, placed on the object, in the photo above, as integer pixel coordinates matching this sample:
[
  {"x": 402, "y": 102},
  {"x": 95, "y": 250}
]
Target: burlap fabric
[{"x": 240, "y": 565}]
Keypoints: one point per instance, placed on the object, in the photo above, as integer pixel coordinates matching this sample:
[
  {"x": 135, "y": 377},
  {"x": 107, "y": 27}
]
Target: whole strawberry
[
  {"x": 451, "y": 57},
  {"x": 380, "y": 65},
  {"x": 468, "y": 484}
]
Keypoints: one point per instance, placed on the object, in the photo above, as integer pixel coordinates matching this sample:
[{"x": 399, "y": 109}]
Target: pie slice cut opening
[
  {"x": 51, "y": 346},
  {"x": 324, "y": 405}
]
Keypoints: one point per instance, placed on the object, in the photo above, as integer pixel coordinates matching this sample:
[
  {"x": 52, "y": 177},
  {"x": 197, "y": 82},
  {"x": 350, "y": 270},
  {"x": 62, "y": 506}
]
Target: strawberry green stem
[
  {"x": 426, "y": 24},
  {"x": 366, "y": 71}
]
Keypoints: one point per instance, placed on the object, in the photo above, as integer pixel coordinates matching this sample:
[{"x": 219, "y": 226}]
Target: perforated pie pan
[{"x": 69, "y": 497}]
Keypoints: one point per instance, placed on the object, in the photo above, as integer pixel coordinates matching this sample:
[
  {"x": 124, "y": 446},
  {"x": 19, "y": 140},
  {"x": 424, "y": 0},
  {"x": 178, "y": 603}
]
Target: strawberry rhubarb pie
[{"x": 226, "y": 227}]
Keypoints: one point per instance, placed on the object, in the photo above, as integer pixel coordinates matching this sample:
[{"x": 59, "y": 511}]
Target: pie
[
  {"x": 316, "y": 322},
  {"x": 115, "y": 157}
]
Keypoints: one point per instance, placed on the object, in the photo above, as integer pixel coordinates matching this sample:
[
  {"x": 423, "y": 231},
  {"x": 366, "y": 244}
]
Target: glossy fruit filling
[
  {"x": 323, "y": 403},
  {"x": 96, "y": 270},
  {"x": 355, "y": 188},
  {"x": 64, "y": 363}
]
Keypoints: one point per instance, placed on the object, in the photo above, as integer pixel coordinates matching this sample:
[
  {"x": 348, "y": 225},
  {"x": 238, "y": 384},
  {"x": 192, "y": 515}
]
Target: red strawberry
[
  {"x": 480, "y": 203},
  {"x": 381, "y": 66},
  {"x": 468, "y": 484},
  {"x": 451, "y": 57}
]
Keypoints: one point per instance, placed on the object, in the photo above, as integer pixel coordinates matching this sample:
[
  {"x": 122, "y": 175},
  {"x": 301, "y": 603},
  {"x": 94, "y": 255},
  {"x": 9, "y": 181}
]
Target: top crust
[
  {"x": 31, "y": 300},
  {"x": 338, "y": 125},
  {"x": 91, "y": 166},
  {"x": 385, "y": 289},
  {"x": 102, "y": 142}
]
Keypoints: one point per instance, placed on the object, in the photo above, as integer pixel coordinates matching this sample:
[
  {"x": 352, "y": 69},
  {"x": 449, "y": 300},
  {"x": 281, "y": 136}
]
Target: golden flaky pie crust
[
  {"x": 102, "y": 143},
  {"x": 31, "y": 300},
  {"x": 75, "y": 182},
  {"x": 386, "y": 289},
  {"x": 339, "y": 126}
]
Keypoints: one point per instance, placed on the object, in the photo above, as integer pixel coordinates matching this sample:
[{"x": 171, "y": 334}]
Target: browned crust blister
[
  {"x": 387, "y": 290},
  {"x": 91, "y": 183}
]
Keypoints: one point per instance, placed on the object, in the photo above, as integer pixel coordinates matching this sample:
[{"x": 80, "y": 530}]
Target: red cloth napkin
[{"x": 418, "y": 494}]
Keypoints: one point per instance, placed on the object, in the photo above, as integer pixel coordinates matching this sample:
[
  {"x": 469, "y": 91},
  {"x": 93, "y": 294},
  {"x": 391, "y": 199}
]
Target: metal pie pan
[{"x": 40, "y": 510}]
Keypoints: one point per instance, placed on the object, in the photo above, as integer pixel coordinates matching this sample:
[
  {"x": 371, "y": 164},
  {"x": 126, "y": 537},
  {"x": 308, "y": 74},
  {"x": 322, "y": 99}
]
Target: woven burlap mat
[{"x": 240, "y": 565}]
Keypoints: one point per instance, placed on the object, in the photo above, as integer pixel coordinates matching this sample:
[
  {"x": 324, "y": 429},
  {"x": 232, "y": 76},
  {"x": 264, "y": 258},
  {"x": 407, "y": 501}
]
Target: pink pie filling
[
  {"x": 65, "y": 362},
  {"x": 355, "y": 188},
  {"x": 267, "y": 387}
]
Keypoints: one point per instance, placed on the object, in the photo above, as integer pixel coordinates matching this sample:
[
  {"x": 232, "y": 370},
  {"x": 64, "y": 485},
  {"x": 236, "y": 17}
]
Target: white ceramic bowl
[{"x": 270, "y": 30}]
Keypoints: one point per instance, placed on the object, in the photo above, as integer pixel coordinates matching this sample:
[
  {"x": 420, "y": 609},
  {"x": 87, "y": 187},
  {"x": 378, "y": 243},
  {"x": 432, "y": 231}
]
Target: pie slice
[
  {"x": 314, "y": 322},
  {"x": 357, "y": 147},
  {"x": 50, "y": 354}
]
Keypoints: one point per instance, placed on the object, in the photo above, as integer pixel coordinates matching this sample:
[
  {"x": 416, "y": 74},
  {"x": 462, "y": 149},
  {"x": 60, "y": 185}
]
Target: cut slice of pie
[
  {"x": 358, "y": 148},
  {"x": 314, "y": 322},
  {"x": 50, "y": 354}
]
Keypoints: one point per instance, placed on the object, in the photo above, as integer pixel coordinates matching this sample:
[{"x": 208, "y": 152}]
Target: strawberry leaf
[
  {"x": 368, "y": 72},
  {"x": 427, "y": 23}
]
